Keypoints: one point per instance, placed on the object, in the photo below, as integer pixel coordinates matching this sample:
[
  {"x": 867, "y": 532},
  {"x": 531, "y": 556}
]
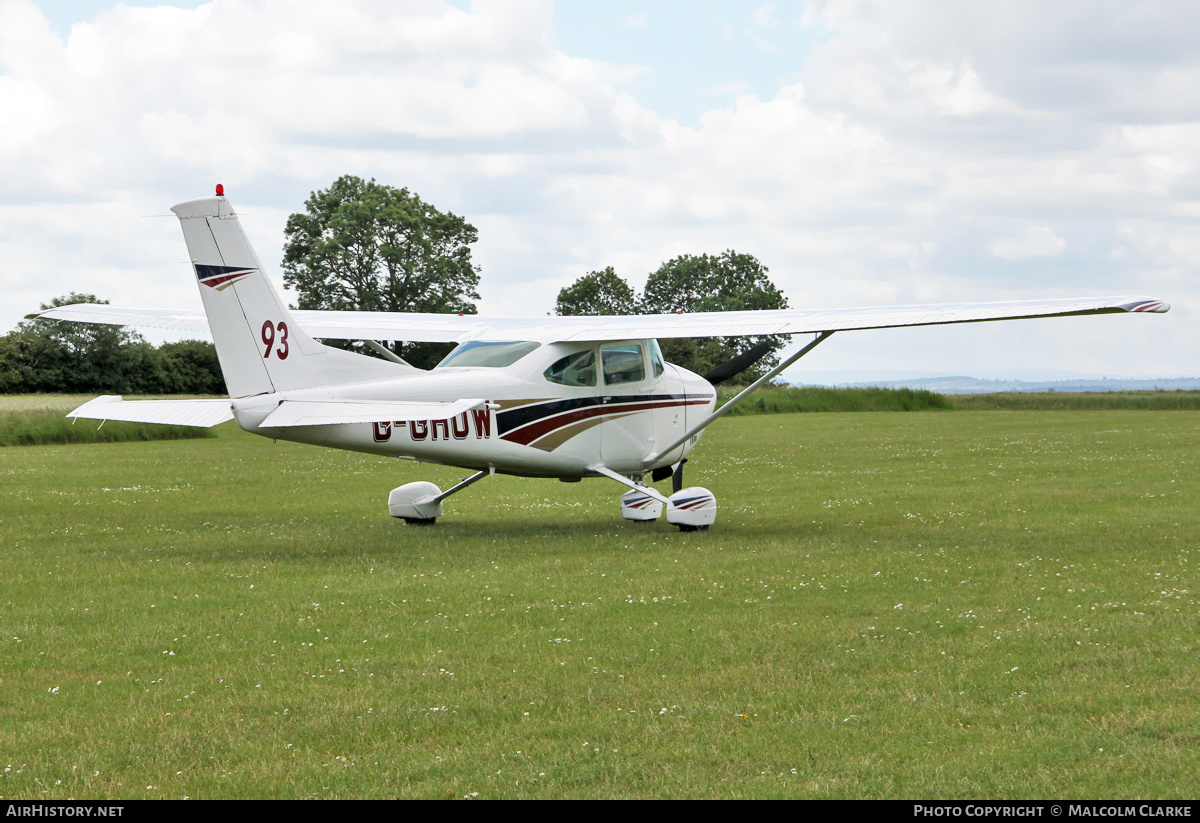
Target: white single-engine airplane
[{"x": 564, "y": 397}]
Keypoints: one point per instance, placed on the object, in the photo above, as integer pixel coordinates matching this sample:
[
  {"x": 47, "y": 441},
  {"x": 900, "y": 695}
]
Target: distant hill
[{"x": 974, "y": 385}]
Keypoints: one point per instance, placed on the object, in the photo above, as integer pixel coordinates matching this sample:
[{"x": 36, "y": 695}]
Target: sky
[{"x": 867, "y": 153}]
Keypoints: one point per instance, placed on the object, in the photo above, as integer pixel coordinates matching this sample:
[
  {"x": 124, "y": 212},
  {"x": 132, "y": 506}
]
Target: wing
[
  {"x": 458, "y": 328},
  {"x": 118, "y": 316}
]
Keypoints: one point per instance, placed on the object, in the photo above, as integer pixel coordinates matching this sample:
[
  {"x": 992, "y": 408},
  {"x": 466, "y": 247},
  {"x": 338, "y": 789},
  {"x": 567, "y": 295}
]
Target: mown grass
[
  {"x": 40, "y": 420},
  {"x": 966, "y": 604}
]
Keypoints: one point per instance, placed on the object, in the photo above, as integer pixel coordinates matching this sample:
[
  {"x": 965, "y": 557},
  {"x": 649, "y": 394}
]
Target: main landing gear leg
[
  {"x": 420, "y": 503},
  {"x": 674, "y": 472}
]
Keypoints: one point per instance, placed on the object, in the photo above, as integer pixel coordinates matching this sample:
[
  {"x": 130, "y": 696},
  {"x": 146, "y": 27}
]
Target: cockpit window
[
  {"x": 578, "y": 369},
  {"x": 656, "y": 359},
  {"x": 487, "y": 355},
  {"x": 623, "y": 364}
]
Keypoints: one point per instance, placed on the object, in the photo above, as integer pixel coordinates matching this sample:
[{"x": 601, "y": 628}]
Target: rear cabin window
[
  {"x": 623, "y": 364},
  {"x": 578, "y": 369},
  {"x": 487, "y": 355}
]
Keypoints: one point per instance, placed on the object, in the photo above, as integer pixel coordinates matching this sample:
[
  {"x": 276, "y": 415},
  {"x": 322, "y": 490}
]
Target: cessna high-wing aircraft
[{"x": 558, "y": 397}]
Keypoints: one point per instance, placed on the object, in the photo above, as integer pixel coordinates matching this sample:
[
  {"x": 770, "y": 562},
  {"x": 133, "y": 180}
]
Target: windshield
[{"x": 487, "y": 355}]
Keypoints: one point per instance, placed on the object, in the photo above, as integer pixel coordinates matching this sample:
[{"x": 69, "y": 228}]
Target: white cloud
[
  {"x": 957, "y": 91},
  {"x": 1036, "y": 241}
]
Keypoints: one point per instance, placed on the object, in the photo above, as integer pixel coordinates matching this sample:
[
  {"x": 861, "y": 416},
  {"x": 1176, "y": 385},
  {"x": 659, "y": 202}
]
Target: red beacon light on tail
[{"x": 220, "y": 190}]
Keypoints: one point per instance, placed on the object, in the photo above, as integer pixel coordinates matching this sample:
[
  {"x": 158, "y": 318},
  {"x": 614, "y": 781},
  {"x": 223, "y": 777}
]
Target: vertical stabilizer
[{"x": 261, "y": 347}]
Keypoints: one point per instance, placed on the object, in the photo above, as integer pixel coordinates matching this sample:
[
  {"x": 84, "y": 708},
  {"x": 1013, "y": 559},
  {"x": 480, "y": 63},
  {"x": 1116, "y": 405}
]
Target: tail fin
[{"x": 261, "y": 347}]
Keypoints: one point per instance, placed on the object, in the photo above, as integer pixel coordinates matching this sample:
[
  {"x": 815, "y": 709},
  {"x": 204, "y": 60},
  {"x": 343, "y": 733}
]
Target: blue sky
[
  {"x": 868, "y": 154},
  {"x": 695, "y": 56}
]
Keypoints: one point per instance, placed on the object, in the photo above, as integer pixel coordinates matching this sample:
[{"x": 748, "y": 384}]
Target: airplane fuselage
[{"x": 532, "y": 426}]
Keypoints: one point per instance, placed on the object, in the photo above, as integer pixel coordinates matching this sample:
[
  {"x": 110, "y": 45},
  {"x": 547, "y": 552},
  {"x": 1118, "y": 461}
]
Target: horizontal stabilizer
[
  {"x": 199, "y": 413},
  {"x": 330, "y": 412}
]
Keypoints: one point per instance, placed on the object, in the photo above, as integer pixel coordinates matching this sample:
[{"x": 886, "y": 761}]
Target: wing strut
[
  {"x": 386, "y": 353},
  {"x": 703, "y": 424},
  {"x": 600, "y": 468}
]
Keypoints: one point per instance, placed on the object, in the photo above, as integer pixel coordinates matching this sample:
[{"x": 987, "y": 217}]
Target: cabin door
[{"x": 627, "y": 433}]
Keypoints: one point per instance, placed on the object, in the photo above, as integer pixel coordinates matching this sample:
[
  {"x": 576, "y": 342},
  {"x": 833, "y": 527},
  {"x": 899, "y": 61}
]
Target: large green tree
[
  {"x": 725, "y": 282},
  {"x": 730, "y": 281},
  {"x": 597, "y": 293},
  {"x": 363, "y": 246}
]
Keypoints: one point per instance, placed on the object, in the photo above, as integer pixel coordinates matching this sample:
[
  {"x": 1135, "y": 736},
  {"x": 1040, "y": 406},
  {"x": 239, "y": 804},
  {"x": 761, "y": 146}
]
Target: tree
[
  {"x": 597, "y": 293},
  {"x": 364, "y": 246},
  {"x": 10, "y": 377},
  {"x": 55, "y": 356},
  {"x": 189, "y": 367},
  {"x": 724, "y": 282},
  {"x": 60, "y": 356}
]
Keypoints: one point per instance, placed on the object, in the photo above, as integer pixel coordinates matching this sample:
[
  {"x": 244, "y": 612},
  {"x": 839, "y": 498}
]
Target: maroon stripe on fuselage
[{"x": 540, "y": 428}]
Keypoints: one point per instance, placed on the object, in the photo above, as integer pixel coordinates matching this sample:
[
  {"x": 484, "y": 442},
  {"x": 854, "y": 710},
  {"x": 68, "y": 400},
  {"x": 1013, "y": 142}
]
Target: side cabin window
[
  {"x": 578, "y": 369},
  {"x": 623, "y": 364},
  {"x": 487, "y": 355}
]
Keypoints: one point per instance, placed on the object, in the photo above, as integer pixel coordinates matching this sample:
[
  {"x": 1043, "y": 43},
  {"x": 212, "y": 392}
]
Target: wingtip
[{"x": 1150, "y": 305}]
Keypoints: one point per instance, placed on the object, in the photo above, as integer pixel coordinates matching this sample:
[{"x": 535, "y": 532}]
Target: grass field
[
  {"x": 959, "y": 604},
  {"x": 40, "y": 420}
]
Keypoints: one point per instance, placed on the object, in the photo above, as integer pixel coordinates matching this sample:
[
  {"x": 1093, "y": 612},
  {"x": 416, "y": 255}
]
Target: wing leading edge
[{"x": 458, "y": 328}]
